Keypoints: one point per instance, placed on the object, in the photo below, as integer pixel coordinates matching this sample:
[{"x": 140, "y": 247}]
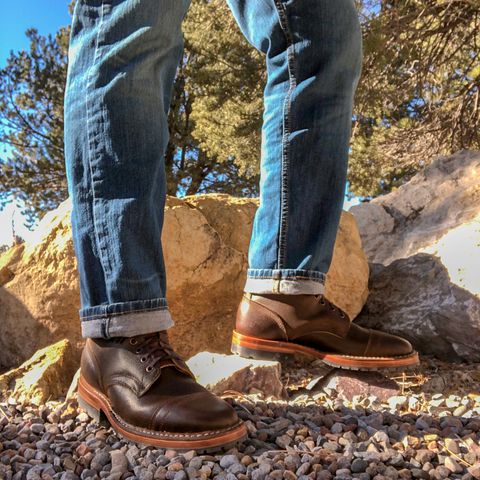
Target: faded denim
[{"x": 123, "y": 56}]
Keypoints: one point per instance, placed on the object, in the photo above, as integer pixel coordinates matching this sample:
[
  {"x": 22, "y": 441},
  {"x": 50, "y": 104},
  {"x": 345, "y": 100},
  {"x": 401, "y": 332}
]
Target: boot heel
[
  {"x": 93, "y": 412},
  {"x": 256, "y": 354}
]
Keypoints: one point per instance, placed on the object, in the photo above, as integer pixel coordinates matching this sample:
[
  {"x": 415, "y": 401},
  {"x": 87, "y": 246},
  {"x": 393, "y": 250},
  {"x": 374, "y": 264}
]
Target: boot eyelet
[
  {"x": 342, "y": 315},
  {"x": 138, "y": 350},
  {"x": 149, "y": 369},
  {"x": 322, "y": 301},
  {"x": 143, "y": 359},
  {"x": 133, "y": 341}
]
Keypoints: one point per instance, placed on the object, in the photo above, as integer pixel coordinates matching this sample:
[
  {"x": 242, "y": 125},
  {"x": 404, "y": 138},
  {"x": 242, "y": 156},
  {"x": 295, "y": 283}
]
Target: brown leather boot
[
  {"x": 270, "y": 326},
  {"x": 149, "y": 395}
]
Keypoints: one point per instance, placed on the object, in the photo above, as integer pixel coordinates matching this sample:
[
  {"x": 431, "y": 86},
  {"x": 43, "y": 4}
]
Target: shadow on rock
[{"x": 415, "y": 297}]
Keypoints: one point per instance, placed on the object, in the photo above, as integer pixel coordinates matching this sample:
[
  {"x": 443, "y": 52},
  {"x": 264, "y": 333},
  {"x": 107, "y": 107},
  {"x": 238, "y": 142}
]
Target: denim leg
[
  {"x": 313, "y": 52},
  {"x": 123, "y": 56}
]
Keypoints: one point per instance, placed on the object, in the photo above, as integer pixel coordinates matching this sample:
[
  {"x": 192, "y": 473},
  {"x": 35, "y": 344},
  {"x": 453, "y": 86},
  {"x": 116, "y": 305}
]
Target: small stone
[
  {"x": 288, "y": 475},
  {"x": 421, "y": 424},
  {"x": 452, "y": 445},
  {"x": 37, "y": 428},
  {"x": 452, "y": 465},
  {"x": 358, "y": 465},
  {"x": 175, "y": 466},
  {"x": 119, "y": 462},
  {"x": 474, "y": 471},
  {"x": 196, "y": 463},
  {"x": 419, "y": 473},
  {"x": 100, "y": 460},
  {"x": 180, "y": 475},
  {"x": 69, "y": 476},
  {"x": 237, "y": 468},
  {"x": 83, "y": 417},
  {"x": 283, "y": 441},
  {"x": 228, "y": 460},
  {"x": 337, "y": 428}
]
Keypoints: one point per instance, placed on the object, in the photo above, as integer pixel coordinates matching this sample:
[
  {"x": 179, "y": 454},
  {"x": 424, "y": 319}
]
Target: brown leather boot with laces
[
  {"x": 270, "y": 326},
  {"x": 149, "y": 395}
]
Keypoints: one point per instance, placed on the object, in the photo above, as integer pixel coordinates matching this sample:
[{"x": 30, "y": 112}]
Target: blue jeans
[{"x": 123, "y": 57}]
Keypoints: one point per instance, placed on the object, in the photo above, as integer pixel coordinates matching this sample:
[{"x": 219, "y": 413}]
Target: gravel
[{"x": 313, "y": 435}]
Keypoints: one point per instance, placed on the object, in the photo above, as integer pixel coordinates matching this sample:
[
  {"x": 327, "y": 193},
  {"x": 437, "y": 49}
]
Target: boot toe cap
[
  {"x": 196, "y": 412},
  {"x": 388, "y": 345}
]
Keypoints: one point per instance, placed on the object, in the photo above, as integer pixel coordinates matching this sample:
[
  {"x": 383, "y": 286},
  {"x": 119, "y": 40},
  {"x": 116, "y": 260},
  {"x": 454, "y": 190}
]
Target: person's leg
[
  {"x": 122, "y": 60},
  {"x": 313, "y": 54}
]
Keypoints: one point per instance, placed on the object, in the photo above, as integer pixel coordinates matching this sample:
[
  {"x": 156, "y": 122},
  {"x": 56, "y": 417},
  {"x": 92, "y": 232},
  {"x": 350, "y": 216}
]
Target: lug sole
[
  {"x": 261, "y": 349},
  {"x": 98, "y": 406}
]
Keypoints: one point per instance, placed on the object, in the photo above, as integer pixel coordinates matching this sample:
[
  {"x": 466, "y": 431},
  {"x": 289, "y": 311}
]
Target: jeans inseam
[
  {"x": 104, "y": 258},
  {"x": 287, "y": 122}
]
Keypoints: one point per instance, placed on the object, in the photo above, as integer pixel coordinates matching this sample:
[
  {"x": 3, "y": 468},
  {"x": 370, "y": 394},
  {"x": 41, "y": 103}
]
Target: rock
[
  {"x": 349, "y": 269},
  {"x": 220, "y": 373},
  {"x": 348, "y": 383},
  {"x": 359, "y": 465},
  {"x": 119, "y": 463},
  {"x": 228, "y": 460},
  {"x": 452, "y": 465},
  {"x": 46, "y": 375},
  {"x": 423, "y": 242},
  {"x": 452, "y": 445},
  {"x": 72, "y": 389},
  {"x": 283, "y": 441},
  {"x": 415, "y": 297},
  {"x": 39, "y": 300},
  {"x": 443, "y": 196},
  {"x": 474, "y": 471},
  {"x": 5, "y": 275}
]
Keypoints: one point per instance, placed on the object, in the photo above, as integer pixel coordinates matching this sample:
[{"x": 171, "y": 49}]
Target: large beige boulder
[{"x": 205, "y": 241}]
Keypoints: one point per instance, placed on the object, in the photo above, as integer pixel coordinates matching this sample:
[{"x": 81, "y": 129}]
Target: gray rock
[
  {"x": 119, "y": 463},
  {"x": 418, "y": 289},
  {"x": 100, "y": 460},
  {"x": 348, "y": 383},
  {"x": 442, "y": 196},
  {"x": 69, "y": 476},
  {"x": 358, "y": 465},
  {"x": 228, "y": 460},
  {"x": 414, "y": 297}
]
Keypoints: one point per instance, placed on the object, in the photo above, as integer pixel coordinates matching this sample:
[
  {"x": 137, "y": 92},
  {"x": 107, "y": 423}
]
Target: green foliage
[
  {"x": 227, "y": 76},
  {"x": 418, "y": 96}
]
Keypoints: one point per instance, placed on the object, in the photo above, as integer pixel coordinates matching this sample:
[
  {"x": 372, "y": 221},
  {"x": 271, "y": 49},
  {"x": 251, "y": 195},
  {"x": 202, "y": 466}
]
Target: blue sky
[
  {"x": 18, "y": 15},
  {"x": 47, "y": 16}
]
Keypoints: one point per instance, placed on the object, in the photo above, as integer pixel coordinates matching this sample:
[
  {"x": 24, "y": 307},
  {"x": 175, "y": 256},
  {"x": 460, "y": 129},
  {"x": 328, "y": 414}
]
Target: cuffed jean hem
[
  {"x": 286, "y": 281},
  {"x": 125, "y": 319}
]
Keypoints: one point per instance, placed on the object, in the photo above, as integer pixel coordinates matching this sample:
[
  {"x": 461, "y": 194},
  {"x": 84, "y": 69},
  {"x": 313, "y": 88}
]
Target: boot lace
[{"x": 154, "y": 348}]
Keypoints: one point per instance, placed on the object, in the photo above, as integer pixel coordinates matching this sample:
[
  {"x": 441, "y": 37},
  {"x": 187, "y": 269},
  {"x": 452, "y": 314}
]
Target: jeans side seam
[
  {"x": 287, "y": 122},
  {"x": 104, "y": 259}
]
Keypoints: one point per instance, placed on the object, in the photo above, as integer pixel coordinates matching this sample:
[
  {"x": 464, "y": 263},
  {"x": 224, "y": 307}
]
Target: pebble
[
  {"x": 312, "y": 436},
  {"x": 452, "y": 465},
  {"x": 359, "y": 465},
  {"x": 228, "y": 460}
]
